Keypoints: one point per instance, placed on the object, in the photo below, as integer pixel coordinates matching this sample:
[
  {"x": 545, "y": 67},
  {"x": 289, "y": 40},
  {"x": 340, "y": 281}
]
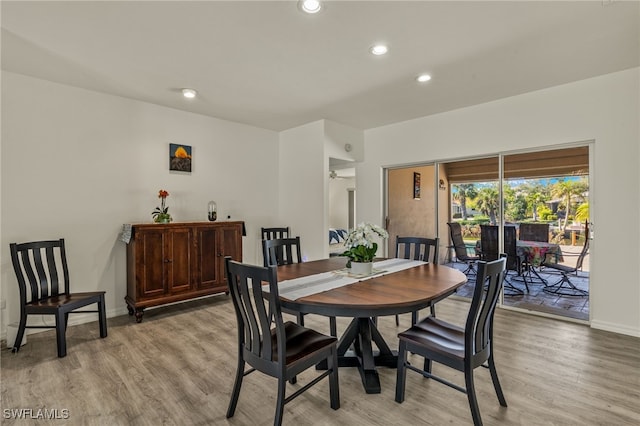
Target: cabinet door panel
[
  {"x": 231, "y": 245},
  {"x": 150, "y": 264},
  {"x": 178, "y": 261},
  {"x": 208, "y": 251}
]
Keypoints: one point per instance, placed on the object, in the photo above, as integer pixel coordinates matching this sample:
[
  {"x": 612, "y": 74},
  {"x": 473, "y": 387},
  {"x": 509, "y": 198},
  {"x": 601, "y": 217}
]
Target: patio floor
[{"x": 576, "y": 307}]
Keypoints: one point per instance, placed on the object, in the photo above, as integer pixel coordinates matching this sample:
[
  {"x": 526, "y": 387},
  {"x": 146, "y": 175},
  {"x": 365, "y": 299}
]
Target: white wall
[
  {"x": 78, "y": 164},
  {"x": 603, "y": 109},
  {"x": 339, "y": 202},
  {"x": 302, "y": 181}
]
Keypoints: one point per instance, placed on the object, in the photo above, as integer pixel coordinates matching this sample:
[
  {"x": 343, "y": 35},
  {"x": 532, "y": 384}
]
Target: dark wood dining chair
[
  {"x": 281, "y": 251},
  {"x": 417, "y": 248},
  {"x": 463, "y": 349},
  {"x": 275, "y": 234},
  {"x": 564, "y": 286},
  {"x": 534, "y": 232},
  {"x": 43, "y": 278},
  {"x": 286, "y": 251},
  {"x": 461, "y": 251},
  {"x": 283, "y": 351}
]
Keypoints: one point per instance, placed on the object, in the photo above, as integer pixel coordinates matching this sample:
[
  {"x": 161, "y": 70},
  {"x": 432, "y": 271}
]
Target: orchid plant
[
  {"x": 360, "y": 243},
  {"x": 161, "y": 214}
]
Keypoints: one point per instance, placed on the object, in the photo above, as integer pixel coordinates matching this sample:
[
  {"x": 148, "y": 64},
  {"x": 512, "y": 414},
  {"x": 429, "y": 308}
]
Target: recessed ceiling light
[
  {"x": 310, "y": 6},
  {"x": 189, "y": 93},
  {"x": 423, "y": 78},
  {"x": 379, "y": 49}
]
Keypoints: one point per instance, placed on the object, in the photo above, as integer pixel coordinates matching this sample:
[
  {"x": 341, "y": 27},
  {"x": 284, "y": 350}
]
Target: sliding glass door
[
  {"x": 548, "y": 191},
  {"x": 542, "y": 191}
]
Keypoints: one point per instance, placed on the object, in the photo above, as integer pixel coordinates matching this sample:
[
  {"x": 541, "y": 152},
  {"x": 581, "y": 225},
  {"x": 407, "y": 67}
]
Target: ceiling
[{"x": 269, "y": 65}]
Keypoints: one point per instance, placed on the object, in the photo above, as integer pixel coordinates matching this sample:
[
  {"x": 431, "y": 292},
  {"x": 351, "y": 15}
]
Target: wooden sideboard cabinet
[{"x": 178, "y": 261}]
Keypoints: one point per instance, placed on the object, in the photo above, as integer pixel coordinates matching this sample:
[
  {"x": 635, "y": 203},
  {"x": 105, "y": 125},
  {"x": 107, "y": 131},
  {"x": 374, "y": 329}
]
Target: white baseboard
[{"x": 615, "y": 328}]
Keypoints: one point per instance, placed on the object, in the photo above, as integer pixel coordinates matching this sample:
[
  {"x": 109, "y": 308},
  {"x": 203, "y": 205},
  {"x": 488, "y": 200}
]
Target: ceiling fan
[
  {"x": 348, "y": 173},
  {"x": 334, "y": 175}
]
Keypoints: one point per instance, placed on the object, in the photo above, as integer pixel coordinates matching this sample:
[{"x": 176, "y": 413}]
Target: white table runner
[{"x": 305, "y": 286}]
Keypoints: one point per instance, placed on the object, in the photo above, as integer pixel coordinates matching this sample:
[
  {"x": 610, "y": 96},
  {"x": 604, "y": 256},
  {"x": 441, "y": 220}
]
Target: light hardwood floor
[{"x": 177, "y": 368}]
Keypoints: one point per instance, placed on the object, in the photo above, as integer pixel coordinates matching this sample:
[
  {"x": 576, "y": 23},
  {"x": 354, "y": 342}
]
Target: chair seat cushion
[
  {"x": 64, "y": 299},
  {"x": 301, "y": 341},
  {"x": 437, "y": 336}
]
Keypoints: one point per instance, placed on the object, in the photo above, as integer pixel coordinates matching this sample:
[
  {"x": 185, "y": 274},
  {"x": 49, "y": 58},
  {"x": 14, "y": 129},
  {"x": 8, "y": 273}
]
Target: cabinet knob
[{"x": 167, "y": 261}]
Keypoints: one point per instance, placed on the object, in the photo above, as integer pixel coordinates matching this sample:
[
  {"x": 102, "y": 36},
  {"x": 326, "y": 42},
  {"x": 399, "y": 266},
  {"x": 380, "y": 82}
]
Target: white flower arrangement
[{"x": 360, "y": 243}]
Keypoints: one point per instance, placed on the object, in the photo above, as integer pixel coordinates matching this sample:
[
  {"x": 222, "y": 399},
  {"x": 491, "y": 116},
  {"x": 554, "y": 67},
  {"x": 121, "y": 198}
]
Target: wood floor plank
[{"x": 177, "y": 368}]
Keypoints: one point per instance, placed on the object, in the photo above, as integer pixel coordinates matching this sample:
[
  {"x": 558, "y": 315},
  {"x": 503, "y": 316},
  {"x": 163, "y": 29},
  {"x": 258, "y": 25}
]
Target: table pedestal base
[{"x": 355, "y": 350}]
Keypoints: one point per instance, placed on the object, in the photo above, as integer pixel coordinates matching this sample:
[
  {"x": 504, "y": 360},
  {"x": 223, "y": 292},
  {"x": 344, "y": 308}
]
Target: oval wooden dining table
[{"x": 392, "y": 293}]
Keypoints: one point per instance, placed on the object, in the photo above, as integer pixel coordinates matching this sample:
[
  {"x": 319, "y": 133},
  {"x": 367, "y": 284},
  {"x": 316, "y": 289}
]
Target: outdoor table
[{"x": 535, "y": 252}]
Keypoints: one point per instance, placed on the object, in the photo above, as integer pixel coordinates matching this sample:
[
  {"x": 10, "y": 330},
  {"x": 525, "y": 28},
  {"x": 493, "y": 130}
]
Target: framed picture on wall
[
  {"x": 416, "y": 185},
  {"x": 180, "y": 157}
]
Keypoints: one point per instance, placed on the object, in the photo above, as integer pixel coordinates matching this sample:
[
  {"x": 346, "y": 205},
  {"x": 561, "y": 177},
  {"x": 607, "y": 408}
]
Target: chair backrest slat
[
  {"x": 417, "y": 248},
  {"x": 53, "y": 271}
]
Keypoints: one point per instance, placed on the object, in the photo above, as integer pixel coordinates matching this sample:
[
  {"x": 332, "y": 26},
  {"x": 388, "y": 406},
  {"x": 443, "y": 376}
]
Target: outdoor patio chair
[
  {"x": 564, "y": 286},
  {"x": 461, "y": 251},
  {"x": 534, "y": 232},
  {"x": 489, "y": 243}
]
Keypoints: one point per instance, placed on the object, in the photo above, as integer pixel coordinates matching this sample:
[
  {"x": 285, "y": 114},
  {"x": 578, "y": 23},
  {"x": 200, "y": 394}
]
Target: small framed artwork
[
  {"x": 180, "y": 157},
  {"x": 416, "y": 185}
]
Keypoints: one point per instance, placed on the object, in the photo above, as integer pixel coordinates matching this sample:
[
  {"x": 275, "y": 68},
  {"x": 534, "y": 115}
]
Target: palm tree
[
  {"x": 488, "y": 201},
  {"x": 534, "y": 193},
  {"x": 582, "y": 212},
  {"x": 464, "y": 191},
  {"x": 566, "y": 190}
]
